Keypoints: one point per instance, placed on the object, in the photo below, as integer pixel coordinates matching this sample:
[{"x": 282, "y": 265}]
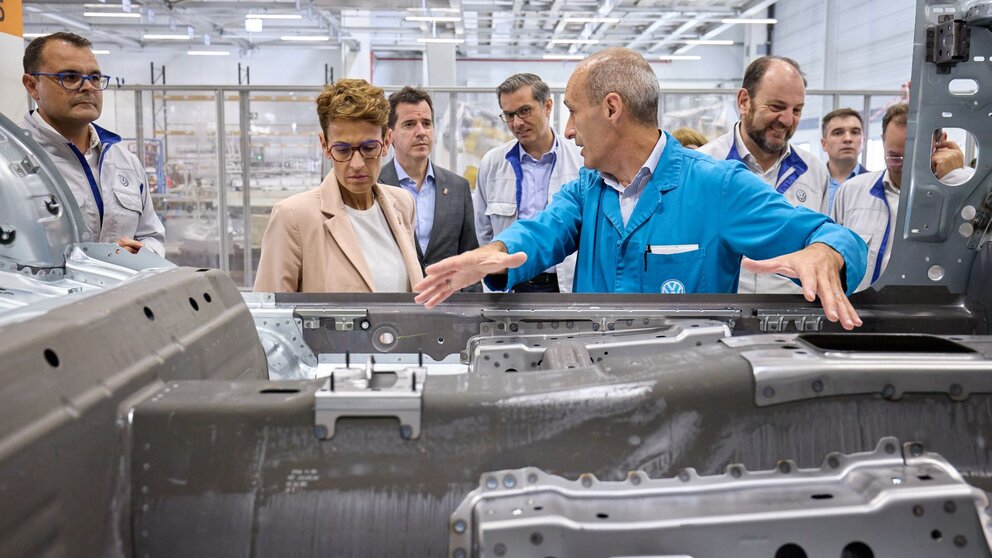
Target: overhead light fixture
[
  {"x": 441, "y": 40},
  {"x": 305, "y": 38},
  {"x": 111, "y": 14},
  {"x": 765, "y": 21},
  {"x": 674, "y": 57},
  {"x": 575, "y": 41},
  {"x": 273, "y": 16},
  {"x": 208, "y": 52},
  {"x": 34, "y": 35},
  {"x": 101, "y": 52},
  {"x": 714, "y": 42},
  {"x": 434, "y": 19},
  {"x": 563, "y": 57},
  {"x": 166, "y": 37},
  {"x": 118, "y": 6},
  {"x": 592, "y": 20},
  {"x": 253, "y": 25}
]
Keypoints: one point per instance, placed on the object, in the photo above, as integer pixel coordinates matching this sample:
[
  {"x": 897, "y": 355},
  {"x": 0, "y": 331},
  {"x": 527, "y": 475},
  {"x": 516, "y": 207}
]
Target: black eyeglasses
[
  {"x": 522, "y": 113},
  {"x": 71, "y": 81},
  {"x": 343, "y": 152}
]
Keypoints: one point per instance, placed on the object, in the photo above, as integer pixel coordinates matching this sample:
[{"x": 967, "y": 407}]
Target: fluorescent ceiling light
[
  {"x": 253, "y": 25},
  {"x": 592, "y": 20},
  {"x": 575, "y": 41},
  {"x": 726, "y": 42},
  {"x": 155, "y": 37},
  {"x": 101, "y": 52},
  {"x": 438, "y": 10},
  {"x": 440, "y": 40},
  {"x": 111, "y": 14},
  {"x": 310, "y": 38},
  {"x": 765, "y": 21},
  {"x": 563, "y": 57},
  {"x": 208, "y": 52},
  {"x": 273, "y": 16},
  {"x": 118, "y": 6},
  {"x": 33, "y": 35},
  {"x": 434, "y": 19},
  {"x": 670, "y": 57}
]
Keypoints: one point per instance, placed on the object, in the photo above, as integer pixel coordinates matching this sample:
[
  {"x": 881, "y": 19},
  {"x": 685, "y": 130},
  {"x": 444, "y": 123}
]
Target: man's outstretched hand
[
  {"x": 818, "y": 269},
  {"x": 457, "y": 272}
]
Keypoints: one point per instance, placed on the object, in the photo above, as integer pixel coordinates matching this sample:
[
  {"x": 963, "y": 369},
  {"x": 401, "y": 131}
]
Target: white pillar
[
  {"x": 439, "y": 65},
  {"x": 13, "y": 98}
]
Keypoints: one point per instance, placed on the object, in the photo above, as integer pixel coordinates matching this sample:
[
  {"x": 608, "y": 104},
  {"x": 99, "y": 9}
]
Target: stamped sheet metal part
[
  {"x": 939, "y": 227},
  {"x": 792, "y": 367},
  {"x": 38, "y": 215},
  {"x": 895, "y": 501},
  {"x": 68, "y": 382},
  {"x": 367, "y": 392}
]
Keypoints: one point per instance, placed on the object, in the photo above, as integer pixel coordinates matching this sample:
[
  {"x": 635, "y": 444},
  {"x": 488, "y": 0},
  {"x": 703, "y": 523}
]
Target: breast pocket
[
  {"x": 124, "y": 213},
  {"x": 501, "y": 215},
  {"x": 674, "y": 273}
]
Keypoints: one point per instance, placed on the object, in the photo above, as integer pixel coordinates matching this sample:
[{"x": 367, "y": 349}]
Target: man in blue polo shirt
[{"x": 647, "y": 215}]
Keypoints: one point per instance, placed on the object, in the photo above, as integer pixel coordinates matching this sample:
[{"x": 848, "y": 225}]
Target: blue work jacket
[{"x": 694, "y": 221}]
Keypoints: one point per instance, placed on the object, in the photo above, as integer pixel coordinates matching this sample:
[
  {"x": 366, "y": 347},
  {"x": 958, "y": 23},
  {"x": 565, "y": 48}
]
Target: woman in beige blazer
[{"x": 349, "y": 233}]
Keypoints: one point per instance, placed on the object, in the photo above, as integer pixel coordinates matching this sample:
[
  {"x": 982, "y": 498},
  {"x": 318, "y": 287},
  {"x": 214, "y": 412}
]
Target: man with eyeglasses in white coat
[
  {"x": 63, "y": 77},
  {"x": 868, "y": 203},
  {"x": 518, "y": 179}
]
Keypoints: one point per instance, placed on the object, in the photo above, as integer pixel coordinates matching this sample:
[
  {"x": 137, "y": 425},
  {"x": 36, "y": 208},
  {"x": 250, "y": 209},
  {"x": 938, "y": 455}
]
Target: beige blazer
[{"x": 310, "y": 244}]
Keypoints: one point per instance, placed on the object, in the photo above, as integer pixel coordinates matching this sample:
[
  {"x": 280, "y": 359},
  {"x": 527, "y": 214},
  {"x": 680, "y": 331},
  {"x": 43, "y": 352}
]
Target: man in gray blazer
[{"x": 445, "y": 222}]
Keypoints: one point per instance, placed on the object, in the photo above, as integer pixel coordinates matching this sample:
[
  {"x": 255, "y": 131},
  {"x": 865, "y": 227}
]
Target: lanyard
[
  {"x": 878, "y": 190},
  {"x": 791, "y": 161}
]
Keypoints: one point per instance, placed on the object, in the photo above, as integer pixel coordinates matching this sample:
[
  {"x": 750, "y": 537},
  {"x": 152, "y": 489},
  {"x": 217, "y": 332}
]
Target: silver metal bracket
[
  {"x": 948, "y": 43},
  {"x": 366, "y": 392},
  {"x": 25, "y": 167},
  {"x": 559, "y": 344},
  {"x": 795, "y": 367},
  {"x": 774, "y": 321},
  {"x": 893, "y": 501},
  {"x": 344, "y": 318}
]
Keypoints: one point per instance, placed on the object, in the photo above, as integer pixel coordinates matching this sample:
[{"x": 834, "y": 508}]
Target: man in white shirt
[
  {"x": 843, "y": 140},
  {"x": 770, "y": 102},
  {"x": 517, "y": 179},
  {"x": 869, "y": 203},
  {"x": 62, "y": 76}
]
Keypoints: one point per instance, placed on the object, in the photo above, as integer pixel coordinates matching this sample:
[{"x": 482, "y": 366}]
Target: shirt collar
[
  {"x": 524, "y": 156},
  {"x": 401, "y": 174},
  {"x": 94, "y": 137},
  {"x": 647, "y": 168},
  {"x": 747, "y": 156}
]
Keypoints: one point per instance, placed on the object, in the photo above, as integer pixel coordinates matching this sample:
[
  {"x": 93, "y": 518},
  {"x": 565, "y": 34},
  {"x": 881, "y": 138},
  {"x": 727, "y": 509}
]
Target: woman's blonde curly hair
[{"x": 352, "y": 99}]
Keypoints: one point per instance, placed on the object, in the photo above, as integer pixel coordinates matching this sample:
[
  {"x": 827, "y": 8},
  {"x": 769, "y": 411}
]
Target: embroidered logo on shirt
[
  {"x": 672, "y": 286},
  {"x": 801, "y": 195},
  {"x": 124, "y": 181}
]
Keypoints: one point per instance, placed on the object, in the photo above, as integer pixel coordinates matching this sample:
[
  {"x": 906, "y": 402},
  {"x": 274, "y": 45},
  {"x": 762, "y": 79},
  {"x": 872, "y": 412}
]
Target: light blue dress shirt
[
  {"x": 835, "y": 185},
  {"x": 536, "y": 177},
  {"x": 632, "y": 193},
  {"x": 425, "y": 202}
]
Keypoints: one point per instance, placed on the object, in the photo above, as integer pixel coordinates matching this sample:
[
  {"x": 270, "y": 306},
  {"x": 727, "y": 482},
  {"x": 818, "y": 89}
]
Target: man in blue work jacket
[{"x": 649, "y": 216}]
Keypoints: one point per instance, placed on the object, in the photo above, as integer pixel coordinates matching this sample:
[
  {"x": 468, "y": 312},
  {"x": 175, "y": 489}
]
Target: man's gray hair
[
  {"x": 540, "y": 90},
  {"x": 624, "y": 72}
]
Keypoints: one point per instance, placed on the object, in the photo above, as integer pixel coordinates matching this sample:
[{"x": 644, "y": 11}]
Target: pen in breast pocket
[{"x": 647, "y": 249}]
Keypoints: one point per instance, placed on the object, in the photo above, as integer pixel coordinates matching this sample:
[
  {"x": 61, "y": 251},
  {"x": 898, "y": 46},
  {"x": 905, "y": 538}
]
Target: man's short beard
[{"x": 758, "y": 137}]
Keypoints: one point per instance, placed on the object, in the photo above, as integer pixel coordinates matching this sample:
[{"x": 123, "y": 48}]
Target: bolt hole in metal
[
  {"x": 192, "y": 302},
  {"x": 206, "y": 297},
  {"x": 790, "y": 550},
  {"x": 52, "y": 358},
  {"x": 857, "y": 549},
  {"x": 149, "y": 314}
]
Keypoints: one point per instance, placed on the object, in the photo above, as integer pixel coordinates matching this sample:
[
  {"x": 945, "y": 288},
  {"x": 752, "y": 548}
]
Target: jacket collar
[{"x": 98, "y": 135}]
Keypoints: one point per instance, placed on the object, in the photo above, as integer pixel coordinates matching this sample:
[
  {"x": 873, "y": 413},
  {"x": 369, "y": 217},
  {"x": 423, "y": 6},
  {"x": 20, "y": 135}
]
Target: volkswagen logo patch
[
  {"x": 801, "y": 195},
  {"x": 124, "y": 181},
  {"x": 672, "y": 286}
]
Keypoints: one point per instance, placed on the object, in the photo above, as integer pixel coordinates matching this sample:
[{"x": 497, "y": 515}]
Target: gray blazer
[{"x": 454, "y": 220}]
